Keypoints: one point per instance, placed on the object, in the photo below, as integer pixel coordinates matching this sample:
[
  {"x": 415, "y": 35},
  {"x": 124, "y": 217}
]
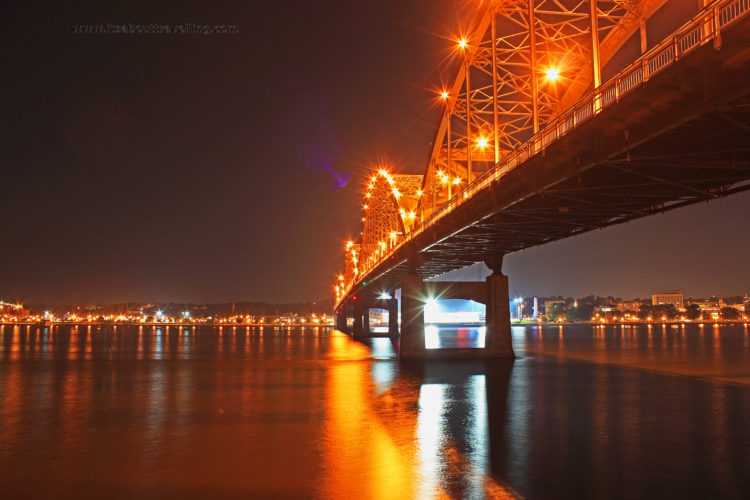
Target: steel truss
[
  {"x": 524, "y": 63},
  {"x": 389, "y": 205}
]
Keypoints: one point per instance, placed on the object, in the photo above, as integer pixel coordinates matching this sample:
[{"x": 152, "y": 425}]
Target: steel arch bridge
[{"x": 533, "y": 145}]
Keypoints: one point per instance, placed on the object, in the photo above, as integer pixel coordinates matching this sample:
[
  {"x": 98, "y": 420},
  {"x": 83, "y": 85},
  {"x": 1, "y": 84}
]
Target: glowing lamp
[{"x": 552, "y": 74}]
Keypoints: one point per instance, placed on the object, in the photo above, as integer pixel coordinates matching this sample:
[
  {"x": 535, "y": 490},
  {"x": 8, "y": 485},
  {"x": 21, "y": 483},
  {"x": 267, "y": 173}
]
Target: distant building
[
  {"x": 378, "y": 317},
  {"x": 630, "y": 305},
  {"x": 12, "y": 309},
  {"x": 709, "y": 305},
  {"x": 548, "y": 303},
  {"x": 675, "y": 298}
]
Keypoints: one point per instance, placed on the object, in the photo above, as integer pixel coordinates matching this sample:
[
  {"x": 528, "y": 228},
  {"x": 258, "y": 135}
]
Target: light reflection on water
[
  {"x": 584, "y": 412},
  {"x": 451, "y": 336}
]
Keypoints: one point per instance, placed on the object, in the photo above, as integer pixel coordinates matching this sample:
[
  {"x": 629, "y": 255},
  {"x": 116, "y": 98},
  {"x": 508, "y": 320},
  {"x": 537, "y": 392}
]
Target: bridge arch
[
  {"x": 521, "y": 64},
  {"x": 389, "y": 213}
]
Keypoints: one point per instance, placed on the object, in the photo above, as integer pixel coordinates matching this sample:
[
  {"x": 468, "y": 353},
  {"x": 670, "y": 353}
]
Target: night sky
[{"x": 190, "y": 167}]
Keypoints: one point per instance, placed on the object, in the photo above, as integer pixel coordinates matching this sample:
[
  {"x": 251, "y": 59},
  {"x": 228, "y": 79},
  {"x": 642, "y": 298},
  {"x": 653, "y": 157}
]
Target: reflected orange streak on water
[
  {"x": 362, "y": 459},
  {"x": 372, "y": 445},
  {"x": 344, "y": 348}
]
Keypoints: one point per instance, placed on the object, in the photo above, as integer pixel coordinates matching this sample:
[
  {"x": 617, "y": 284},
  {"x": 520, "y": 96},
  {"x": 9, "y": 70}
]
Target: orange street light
[
  {"x": 462, "y": 43},
  {"x": 552, "y": 74}
]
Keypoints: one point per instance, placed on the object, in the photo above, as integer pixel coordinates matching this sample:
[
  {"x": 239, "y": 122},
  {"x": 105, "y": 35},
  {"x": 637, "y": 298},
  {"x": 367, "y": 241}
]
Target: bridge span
[{"x": 546, "y": 150}]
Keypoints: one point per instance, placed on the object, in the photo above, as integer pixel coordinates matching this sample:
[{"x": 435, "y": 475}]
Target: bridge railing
[{"x": 704, "y": 27}]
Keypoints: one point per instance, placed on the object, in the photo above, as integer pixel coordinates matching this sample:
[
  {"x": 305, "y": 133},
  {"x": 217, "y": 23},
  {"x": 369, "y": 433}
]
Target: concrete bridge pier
[
  {"x": 498, "y": 339},
  {"x": 366, "y": 320},
  {"x": 357, "y": 324},
  {"x": 341, "y": 320},
  {"x": 392, "y": 305},
  {"x": 493, "y": 293},
  {"x": 412, "y": 316}
]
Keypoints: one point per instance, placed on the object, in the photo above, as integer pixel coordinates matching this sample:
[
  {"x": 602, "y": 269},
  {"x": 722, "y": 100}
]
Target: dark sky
[{"x": 189, "y": 167}]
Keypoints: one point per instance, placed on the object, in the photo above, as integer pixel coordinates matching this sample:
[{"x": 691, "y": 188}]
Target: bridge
[{"x": 565, "y": 116}]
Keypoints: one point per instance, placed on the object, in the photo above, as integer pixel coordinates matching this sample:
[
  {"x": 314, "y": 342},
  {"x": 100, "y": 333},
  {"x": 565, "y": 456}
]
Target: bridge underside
[{"x": 682, "y": 138}]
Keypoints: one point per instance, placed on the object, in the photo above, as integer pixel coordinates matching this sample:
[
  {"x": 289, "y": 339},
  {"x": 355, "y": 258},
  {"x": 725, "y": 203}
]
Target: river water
[{"x": 583, "y": 412}]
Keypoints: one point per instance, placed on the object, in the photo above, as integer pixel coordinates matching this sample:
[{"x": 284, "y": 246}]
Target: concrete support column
[
  {"x": 393, "y": 317},
  {"x": 412, "y": 316},
  {"x": 341, "y": 320},
  {"x": 366, "y": 320},
  {"x": 498, "y": 340},
  {"x": 357, "y": 326}
]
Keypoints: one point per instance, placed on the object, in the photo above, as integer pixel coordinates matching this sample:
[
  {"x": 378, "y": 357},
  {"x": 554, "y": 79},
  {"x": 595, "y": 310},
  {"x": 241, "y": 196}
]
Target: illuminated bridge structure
[{"x": 565, "y": 116}]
